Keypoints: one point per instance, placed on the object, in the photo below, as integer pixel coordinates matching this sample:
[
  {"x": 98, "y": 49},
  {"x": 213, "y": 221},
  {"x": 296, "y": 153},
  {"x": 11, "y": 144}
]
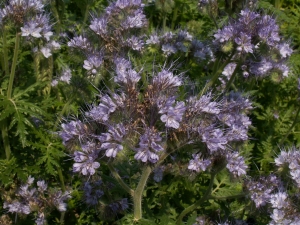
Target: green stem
[
  {"x": 61, "y": 178},
  {"x": 206, "y": 196},
  {"x": 5, "y": 54},
  {"x": 137, "y": 197},
  {"x": 164, "y": 22},
  {"x": 4, "y": 132},
  {"x": 13, "y": 66},
  {"x": 119, "y": 179},
  {"x": 175, "y": 13}
]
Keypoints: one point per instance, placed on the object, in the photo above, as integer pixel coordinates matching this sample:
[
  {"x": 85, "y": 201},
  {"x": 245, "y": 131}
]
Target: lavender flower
[
  {"x": 204, "y": 105},
  {"x": 135, "y": 43},
  {"x": 153, "y": 39},
  {"x": 236, "y": 164},
  {"x": 285, "y": 50},
  {"x": 112, "y": 140},
  {"x": 31, "y": 29},
  {"x": 80, "y": 42},
  {"x": 107, "y": 106},
  {"x": 71, "y": 130},
  {"x": 168, "y": 49},
  {"x": 93, "y": 62},
  {"x": 172, "y": 115},
  {"x": 149, "y": 146},
  {"x": 244, "y": 42},
  {"x": 165, "y": 80},
  {"x": 138, "y": 20},
  {"x": 85, "y": 160},
  {"x": 17, "y": 207},
  {"x": 214, "y": 139},
  {"x": 198, "y": 164},
  {"x": 225, "y": 34},
  {"x": 99, "y": 25}
]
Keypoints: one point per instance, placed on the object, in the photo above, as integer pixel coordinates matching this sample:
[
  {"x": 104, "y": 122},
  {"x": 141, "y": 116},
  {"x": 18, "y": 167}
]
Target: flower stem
[
  {"x": 119, "y": 179},
  {"x": 4, "y": 129},
  {"x": 13, "y": 66},
  {"x": 137, "y": 196},
  {"x": 205, "y": 197}
]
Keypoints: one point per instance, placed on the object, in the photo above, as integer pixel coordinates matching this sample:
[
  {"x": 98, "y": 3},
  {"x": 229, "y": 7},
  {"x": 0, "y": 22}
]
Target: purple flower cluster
[
  {"x": 149, "y": 146},
  {"x": 199, "y": 164},
  {"x": 261, "y": 190},
  {"x": 290, "y": 159},
  {"x": 34, "y": 23},
  {"x": 236, "y": 164},
  {"x": 40, "y": 198},
  {"x": 181, "y": 41},
  {"x": 114, "y": 28},
  {"x": 85, "y": 160},
  {"x": 251, "y": 34},
  {"x": 112, "y": 140}
]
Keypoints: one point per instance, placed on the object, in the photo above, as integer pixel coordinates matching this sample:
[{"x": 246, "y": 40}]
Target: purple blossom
[
  {"x": 168, "y": 49},
  {"x": 236, "y": 164},
  {"x": 198, "y": 164},
  {"x": 261, "y": 68},
  {"x": 71, "y": 130},
  {"x": 112, "y": 140},
  {"x": 165, "y": 80},
  {"x": 284, "y": 50},
  {"x": 93, "y": 62},
  {"x": 244, "y": 43},
  {"x": 153, "y": 39},
  {"x": 17, "y": 207},
  {"x": 80, "y": 42},
  {"x": 99, "y": 25},
  {"x": 66, "y": 75},
  {"x": 31, "y": 28},
  {"x": 184, "y": 36},
  {"x": 59, "y": 199},
  {"x": 138, "y": 20},
  {"x": 247, "y": 16},
  {"x": 204, "y": 104},
  {"x": 85, "y": 160},
  {"x": 46, "y": 52},
  {"x": 225, "y": 34},
  {"x": 172, "y": 115},
  {"x": 149, "y": 146},
  {"x": 107, "y": 106},
  {"x": 135, "y": 43},
  {"x": 214, "y": 139}
]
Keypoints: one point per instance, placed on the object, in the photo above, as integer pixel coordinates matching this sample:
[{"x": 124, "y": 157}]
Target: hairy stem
[
  {"x": 206, "y": 196},
  {"x": 4, "y": 132},
  {"x": 13, "y": 66},
  {"x": 137, "y": 197},
  {"x": 119, "y": 179},
  {"x": 5, "y": 54}
]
